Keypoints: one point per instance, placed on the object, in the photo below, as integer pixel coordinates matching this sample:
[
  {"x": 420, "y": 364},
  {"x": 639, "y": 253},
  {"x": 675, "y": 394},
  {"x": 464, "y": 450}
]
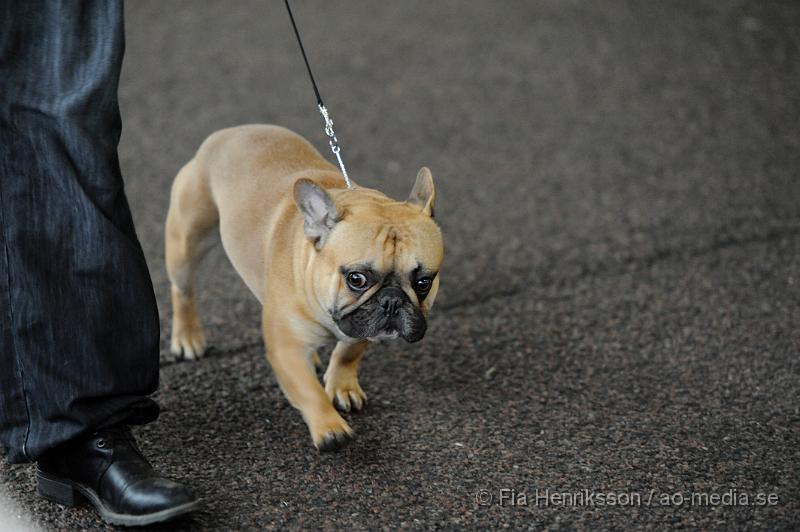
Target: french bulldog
[{"x": 326, "y": 262}]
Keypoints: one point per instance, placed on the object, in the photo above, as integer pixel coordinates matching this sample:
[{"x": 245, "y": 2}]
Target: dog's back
[{"x": 256, "y": 162}]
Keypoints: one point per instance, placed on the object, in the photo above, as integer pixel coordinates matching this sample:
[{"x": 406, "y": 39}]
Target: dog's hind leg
[{"x": 191, "y": 218}]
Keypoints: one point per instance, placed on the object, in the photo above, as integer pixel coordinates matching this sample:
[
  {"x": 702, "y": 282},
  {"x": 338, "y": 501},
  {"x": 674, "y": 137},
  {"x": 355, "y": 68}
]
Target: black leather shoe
[{"x": 109, "y": 471}]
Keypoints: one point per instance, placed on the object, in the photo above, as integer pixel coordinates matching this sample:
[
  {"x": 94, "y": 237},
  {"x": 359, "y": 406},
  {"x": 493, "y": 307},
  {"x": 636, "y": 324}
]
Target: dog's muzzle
[{"x": 387, "y": 313}]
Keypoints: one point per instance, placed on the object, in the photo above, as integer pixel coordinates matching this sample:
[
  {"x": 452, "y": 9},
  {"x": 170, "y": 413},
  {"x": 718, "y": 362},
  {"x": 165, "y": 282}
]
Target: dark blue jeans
[{"x": 80, "y": 332}]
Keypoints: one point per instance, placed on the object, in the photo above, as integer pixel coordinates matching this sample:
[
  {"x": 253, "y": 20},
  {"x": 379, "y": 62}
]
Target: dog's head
[{"x": 376, "y": 263}]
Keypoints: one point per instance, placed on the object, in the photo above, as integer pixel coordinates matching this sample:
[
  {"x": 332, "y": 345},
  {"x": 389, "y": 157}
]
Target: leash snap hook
[{"x": 334, "y": 143}]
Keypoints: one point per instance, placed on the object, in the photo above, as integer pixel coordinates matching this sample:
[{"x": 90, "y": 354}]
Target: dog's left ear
[
  {"x": 319, "y": 211},
  {"x": 423, "y": 193}
]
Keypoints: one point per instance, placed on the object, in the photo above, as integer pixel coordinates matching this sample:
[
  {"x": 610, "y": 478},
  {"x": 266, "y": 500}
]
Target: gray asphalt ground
[{"x": 619, "y": 188}]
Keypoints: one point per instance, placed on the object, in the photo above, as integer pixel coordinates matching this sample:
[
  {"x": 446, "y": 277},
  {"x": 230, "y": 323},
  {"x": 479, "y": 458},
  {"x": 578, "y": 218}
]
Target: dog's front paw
[
  {"x": 345, "y": 392},
  {"x": 188, "y": 342},
  {"x": 332, "y": 433}
]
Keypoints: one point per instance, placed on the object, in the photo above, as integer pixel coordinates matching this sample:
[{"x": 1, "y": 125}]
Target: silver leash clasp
[{"x": 334, "y": 142}]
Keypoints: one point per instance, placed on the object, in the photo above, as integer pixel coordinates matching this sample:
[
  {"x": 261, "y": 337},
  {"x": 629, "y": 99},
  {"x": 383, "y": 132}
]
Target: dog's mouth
[
  {"x": 385, "y": 335},
  {"x": 381, "y": 335}
]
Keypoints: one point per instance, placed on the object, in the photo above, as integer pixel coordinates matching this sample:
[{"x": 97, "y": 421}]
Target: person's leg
[
  {"x": 79, "y": 343},
  {"x": 80, "y": 333}
]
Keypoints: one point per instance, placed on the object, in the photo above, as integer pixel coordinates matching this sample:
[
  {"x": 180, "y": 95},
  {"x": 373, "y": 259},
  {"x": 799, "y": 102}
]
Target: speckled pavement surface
[{"x": 619, "y": 188}]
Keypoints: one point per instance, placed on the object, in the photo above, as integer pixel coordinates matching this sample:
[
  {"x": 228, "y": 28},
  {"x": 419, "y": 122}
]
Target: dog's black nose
[{"x": 391, "y": 299}]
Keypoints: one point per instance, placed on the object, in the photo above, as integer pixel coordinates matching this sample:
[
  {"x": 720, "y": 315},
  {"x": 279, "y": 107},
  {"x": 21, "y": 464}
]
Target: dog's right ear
[{"x": 319, "y": 211}]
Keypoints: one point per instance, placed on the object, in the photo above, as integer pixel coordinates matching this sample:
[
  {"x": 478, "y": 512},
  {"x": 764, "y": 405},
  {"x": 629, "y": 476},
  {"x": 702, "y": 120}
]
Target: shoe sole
[{"x": 69, "y": 493}]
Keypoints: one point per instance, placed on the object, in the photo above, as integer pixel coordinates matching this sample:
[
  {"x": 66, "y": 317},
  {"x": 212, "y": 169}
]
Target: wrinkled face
[
  {"x": 376, "y": 261},
  {"x": 388, "y": 275}
]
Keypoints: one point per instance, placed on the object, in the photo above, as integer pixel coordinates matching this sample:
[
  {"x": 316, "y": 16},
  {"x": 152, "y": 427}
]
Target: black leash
[{"x": 332, "y": 140}]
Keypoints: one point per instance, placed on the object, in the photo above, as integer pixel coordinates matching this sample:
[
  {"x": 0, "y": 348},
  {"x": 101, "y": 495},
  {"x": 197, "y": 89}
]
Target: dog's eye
[
  {"x": 423, "y": 285},
  {"x": 357, "y": 280}
]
